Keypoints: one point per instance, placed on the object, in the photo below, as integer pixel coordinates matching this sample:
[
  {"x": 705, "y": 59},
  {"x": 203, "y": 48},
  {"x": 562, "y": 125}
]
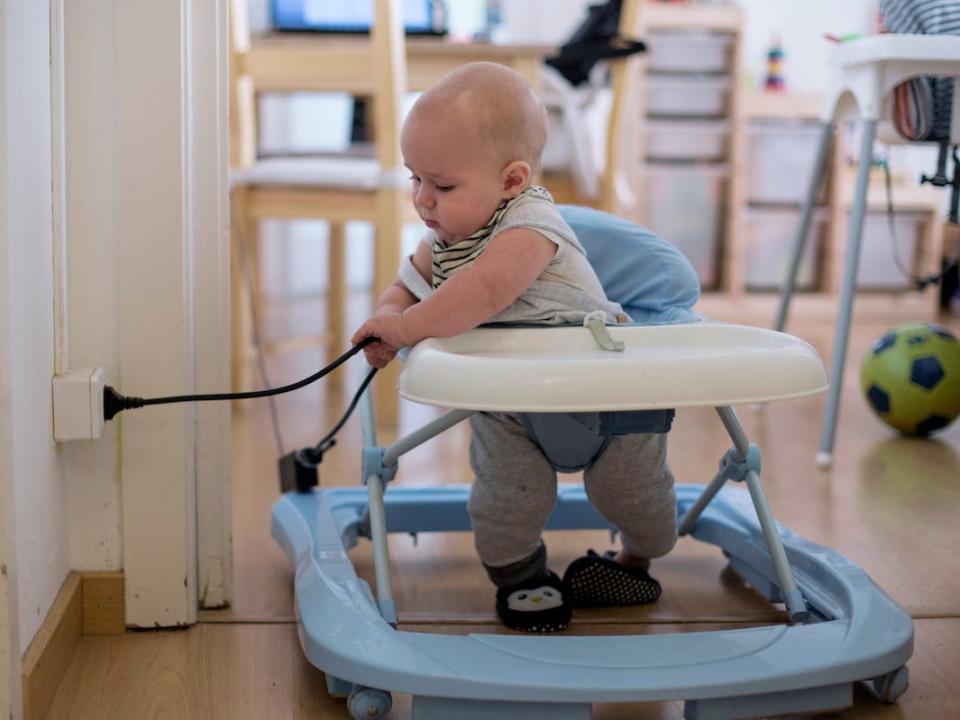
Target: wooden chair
[
  {"x": 616, "y": 182},
  {"x": 336, "y": 189}
]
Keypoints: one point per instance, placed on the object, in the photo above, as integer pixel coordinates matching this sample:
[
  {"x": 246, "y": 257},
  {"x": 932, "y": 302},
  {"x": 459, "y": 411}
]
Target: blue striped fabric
[{"x": 927, "y": 17}]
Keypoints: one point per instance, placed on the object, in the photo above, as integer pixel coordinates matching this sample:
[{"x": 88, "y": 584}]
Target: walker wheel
[
  {"x": 368, "y": 704},
  {"x": 891, "y": 686}
]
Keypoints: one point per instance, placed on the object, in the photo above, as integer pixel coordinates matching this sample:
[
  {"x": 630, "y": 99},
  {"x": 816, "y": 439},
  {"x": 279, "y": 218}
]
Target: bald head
[{"x": 492, "y": 105}]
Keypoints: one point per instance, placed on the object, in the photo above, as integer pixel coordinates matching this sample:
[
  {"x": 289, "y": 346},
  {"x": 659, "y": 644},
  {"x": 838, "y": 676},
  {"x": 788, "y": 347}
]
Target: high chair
[
  {"x": 335, "y": 189},
  {"x": 867, "y": 71}
]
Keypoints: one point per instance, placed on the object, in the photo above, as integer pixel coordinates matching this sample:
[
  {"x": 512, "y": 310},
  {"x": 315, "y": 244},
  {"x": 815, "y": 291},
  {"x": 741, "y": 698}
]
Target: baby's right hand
[{"x": 380, "y": 353}]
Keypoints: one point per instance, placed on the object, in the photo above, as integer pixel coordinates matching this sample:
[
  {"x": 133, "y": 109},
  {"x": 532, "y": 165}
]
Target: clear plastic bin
[
  {"x": 770, "y": 233},
  {"x": 684, "y": 204},
  {"x": 878, "y": 269},
  {"x": 782, "y": 154},
  {"x": 701, "y": 140},
  {"x": 678, "y": 96},
  {"x": 703, "y": 52}
]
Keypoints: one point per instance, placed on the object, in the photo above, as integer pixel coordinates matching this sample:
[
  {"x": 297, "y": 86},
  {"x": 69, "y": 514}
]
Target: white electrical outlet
[{"x": 78, "y": 404}]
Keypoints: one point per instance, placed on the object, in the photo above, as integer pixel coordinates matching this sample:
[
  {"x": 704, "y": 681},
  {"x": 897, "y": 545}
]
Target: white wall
[
  {"x": 800, "y": 27},
  {"x": 9, "y": 626},
  {"x": 93, "y": 492},
  {"x": 41, "y": 560}
]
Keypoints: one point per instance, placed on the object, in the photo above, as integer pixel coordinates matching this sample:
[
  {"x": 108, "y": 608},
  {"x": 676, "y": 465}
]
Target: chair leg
[
  {"x": 238, "y": 321},
  {"x": 336, "y": 293},
  {"x": 388, "y": 233},
  {"x": 242, "y": 270}
]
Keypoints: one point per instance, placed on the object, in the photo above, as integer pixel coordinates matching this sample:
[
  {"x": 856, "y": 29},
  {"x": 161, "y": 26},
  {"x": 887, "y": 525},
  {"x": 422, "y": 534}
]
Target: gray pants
[{"x": 515, "y": 490}]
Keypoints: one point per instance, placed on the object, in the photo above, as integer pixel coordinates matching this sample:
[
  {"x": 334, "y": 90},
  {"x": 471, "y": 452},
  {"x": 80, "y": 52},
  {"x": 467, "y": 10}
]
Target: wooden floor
[{"x": 890, "y": 504}]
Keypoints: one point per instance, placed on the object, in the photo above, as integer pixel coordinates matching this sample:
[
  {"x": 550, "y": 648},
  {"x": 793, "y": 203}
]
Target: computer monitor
[{"x": 351, "y": 16}]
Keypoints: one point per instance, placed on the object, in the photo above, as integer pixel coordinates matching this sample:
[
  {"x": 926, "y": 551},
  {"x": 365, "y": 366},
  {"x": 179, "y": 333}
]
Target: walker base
[{"x": 751, "y": 672}]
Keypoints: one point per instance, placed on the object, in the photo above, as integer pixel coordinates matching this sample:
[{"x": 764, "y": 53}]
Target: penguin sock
[{"x": 535, "y": 605}]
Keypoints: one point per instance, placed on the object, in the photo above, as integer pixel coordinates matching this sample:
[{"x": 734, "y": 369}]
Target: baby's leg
[
  {"x": 632, "y": 487},
  {"x": 512, "y": 497}
]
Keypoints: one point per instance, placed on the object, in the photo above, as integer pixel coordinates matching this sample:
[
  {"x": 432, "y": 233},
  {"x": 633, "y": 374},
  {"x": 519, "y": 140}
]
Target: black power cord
[
  {"x": 299, "y": 470},
  {"x": 114, "y": 402},
  {"x": 921, "y": 282}
]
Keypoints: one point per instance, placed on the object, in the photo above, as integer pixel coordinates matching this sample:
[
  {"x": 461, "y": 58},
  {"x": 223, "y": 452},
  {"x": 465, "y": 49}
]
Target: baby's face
[{"x": 456, "y": 186}]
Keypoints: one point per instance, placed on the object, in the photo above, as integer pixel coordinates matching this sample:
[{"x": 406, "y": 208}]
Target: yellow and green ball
[{"x": 911, "y": 378}]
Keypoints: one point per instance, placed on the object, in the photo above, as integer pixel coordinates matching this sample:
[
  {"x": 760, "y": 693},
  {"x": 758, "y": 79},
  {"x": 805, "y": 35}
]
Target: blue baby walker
[{"x": 841, "y": 627}]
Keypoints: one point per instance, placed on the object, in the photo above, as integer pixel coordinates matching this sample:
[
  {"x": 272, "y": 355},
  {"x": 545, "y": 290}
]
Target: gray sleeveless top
[{"x": 566, "y": 291}]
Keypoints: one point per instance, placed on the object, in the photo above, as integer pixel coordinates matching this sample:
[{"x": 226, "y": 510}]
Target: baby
[{"x": 499, "y": 251}]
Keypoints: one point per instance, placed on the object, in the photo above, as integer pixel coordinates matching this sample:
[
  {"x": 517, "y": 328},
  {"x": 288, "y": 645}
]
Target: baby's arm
[
  {"x": 395, "y": 299},
  {"x": 509, "y": 265}
]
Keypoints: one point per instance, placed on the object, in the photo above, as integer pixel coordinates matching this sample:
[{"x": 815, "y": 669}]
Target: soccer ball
[{"x": 911, "y": 378}]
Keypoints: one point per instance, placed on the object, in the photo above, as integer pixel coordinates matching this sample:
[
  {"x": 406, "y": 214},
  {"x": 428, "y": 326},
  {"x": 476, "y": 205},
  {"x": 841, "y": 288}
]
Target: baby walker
[{"x": 842, "y": 628}]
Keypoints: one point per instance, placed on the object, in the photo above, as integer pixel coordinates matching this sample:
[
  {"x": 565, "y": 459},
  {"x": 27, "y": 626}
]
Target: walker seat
[{"x": 842, "y": 627}]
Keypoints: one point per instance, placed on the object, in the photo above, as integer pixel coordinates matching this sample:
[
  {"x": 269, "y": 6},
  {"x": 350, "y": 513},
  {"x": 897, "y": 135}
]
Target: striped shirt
[
  {"x": 927, "y": 17},
  {"x": 448, "y": 259}
]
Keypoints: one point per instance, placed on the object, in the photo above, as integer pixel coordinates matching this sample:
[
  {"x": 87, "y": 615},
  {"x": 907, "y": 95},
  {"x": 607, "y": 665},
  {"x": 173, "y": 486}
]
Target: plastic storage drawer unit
[
  {"x": 698, "y": 52},
  {"x": 878, "y": 268},
  {"x": 770, "y": 236},
  {"x": 687, "y": 140},
  {"x": 679, "y": 96},
  {"x": 684, "y": 204},
  {"x": 782, "y": 154}
]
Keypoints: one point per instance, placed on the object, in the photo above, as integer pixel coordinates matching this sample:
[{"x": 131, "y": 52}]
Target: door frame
[
  {"x": 168, "y": 259},
  {"x": 175, "y": 461}
]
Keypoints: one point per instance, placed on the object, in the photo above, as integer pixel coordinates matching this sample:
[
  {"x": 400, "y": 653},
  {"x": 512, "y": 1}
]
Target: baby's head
[{"x": 472, "y": 140}]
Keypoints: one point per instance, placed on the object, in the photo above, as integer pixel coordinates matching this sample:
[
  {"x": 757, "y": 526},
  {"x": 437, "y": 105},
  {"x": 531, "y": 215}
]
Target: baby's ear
[{"x": 516, "y": 177}]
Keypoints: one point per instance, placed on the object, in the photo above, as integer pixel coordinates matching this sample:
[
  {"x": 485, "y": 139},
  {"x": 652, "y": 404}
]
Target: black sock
[{"x": 534, "y": 605}]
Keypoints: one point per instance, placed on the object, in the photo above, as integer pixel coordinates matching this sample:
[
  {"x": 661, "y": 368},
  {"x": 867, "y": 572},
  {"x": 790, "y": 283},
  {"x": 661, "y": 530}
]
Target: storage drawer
[
  {"x": 782, "y": 155},
  {"x": 689, "y": 52},
  {"x": 878, "y": 269},
  {"x": 679, "y": 96},
  {"x": 770, "y": 236},
  {"x": 684, "y": 204},
  {"x": 700, "y": 140}
]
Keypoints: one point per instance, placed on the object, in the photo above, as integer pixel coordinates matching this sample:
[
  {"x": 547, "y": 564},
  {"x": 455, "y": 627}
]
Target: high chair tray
[{"x": 563, "y": 369}]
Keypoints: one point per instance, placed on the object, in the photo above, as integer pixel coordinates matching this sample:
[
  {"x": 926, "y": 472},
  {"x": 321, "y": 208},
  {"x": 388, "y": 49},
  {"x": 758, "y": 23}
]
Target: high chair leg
[
  {"x": 800, "y": 240},
  {"x": 848, "y": 289}
]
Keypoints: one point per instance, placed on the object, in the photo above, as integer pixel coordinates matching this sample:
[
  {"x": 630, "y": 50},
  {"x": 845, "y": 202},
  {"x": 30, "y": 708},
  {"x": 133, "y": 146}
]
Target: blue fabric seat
[
  {"x": 656, "y": 285},
  {"x": 641, "y": 271}
]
